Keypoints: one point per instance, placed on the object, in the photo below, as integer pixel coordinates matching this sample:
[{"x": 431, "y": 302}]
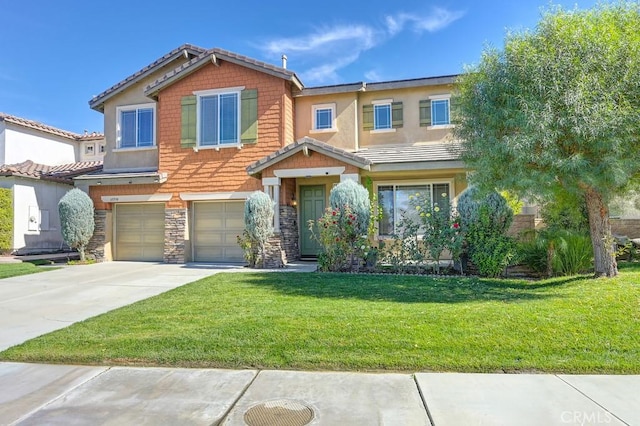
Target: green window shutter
[
  {"x": 396, "y": 115},
  {"x": 189, "y": 120},
  {"x": 249, "y": 116},
  {"x": 367, "y": 117},
  {"x": 425, "y": 113}
]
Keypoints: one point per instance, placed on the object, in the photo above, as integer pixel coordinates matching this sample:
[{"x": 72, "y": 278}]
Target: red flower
[
  {"x": 456, "y": 225},
  {"x": 333, "y": 212}
]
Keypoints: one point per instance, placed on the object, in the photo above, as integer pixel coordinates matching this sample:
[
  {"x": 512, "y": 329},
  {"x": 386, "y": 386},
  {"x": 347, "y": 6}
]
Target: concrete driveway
[{"x": 32, "y": 305}]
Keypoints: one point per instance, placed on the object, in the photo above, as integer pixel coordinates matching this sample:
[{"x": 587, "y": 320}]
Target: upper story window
[
  {"x": 435, "y": 111},
  {"x": 324, "y": 116},
  {"x": 218, "y": 118},
  {"x": 136, "y": 126},
  {"x": 382, "y": 116}
]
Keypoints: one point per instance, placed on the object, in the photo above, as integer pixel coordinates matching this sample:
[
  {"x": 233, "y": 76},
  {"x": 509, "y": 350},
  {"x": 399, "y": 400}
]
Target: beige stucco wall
[
  {"x": 410, "y": 132},
  {"x": 346, "y": 108},
  {"x": 136, "y": 158}
]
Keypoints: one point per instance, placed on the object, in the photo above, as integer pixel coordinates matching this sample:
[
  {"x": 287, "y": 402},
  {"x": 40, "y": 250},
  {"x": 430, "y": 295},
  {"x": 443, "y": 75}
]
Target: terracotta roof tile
[
  {"x": 62, "y": 173},
  {"x": 411, "y": 153},
  {"x": 31, "y": 124}
]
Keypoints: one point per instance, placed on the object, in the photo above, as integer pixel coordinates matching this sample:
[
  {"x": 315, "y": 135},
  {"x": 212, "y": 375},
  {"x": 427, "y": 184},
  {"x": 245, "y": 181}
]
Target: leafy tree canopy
[{"x": 558, "y": 109}]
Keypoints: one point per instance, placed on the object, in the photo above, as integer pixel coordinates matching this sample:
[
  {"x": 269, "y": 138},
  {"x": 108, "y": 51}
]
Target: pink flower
[{"x": 456, "y": 225}]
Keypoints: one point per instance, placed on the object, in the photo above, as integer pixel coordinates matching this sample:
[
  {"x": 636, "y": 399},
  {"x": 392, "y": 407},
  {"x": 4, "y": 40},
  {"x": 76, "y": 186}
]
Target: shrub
[
  {"x": 342, "y": 230},
  {"x": 558, "y": 252},
  {"x": 6, "y": 220},
  {"x": 76, "y": 219},
  {"x": 258, "y": 220},
  {"x": 565, "y": 212},
  {"x": 355, "y": 197},
  {"x": 484, "y": 221}
]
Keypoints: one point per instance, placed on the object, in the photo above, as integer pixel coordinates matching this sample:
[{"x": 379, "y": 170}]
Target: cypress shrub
[
  {"x": 258, "y": 220},
  {"x": 6, "y": 220},
  {"x": 76, "y": 219}
]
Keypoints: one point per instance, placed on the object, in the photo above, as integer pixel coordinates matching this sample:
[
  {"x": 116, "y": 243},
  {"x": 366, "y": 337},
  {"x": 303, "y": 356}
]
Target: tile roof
[
  {"x": 314, "y": 145},
  {"x": 97, "y": 101},
  {"x": 213, "y": 55},
  {"x": 48, "y": 129},
  {"x": 447, "y": 151},
  {"x": 62, "y": 173},
  {"x": 362, "y": 86}
]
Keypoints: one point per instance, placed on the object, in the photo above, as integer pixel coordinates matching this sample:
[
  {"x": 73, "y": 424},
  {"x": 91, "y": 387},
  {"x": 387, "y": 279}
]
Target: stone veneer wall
[
  {"x": 289, "y": 232},
  {"x": 95, "y": 248},
  {"x": 627, "y": 227},
  {"x": 275, "y": 256},
  {"x": 521, "y": 222},
  {"x": 175, "y": 221}
]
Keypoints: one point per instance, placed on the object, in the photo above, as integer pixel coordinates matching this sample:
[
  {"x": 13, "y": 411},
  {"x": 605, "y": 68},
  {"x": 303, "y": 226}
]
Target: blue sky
[{"x": 56, "y": 55}]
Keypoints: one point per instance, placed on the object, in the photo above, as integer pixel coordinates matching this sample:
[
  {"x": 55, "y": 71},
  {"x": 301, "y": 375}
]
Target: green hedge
[{"x": 6, "y": 219}]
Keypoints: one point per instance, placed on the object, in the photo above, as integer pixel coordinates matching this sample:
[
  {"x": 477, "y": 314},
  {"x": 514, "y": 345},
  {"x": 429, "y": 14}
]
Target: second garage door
[
  {"x": 139, "y": 231},
  {"x": 215, "y": 231}
]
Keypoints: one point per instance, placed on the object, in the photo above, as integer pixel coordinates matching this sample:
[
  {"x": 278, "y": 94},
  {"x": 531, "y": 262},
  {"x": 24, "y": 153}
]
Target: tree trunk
[{"x": 600, "y": 228}]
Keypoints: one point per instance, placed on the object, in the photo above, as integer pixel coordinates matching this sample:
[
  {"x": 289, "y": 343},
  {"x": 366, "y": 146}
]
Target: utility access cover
[{"x": 281, "y": 412}]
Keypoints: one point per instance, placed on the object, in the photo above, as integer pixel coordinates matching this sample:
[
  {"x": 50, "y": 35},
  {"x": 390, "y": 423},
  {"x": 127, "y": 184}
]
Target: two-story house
[
  {"x": 37, "y": 163},
  {"x": 191, "y": 135}
]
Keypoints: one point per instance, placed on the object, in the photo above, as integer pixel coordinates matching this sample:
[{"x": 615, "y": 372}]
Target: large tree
[{"x": 558, "y": 110}]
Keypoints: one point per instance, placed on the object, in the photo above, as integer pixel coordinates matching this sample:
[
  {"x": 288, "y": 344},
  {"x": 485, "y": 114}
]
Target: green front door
[{"x": 312, "y": 207}]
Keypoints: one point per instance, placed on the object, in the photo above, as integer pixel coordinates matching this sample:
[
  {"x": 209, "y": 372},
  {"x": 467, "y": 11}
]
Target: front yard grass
[
  {"x": 8, "y": 270},
  {"x": 366, "y": 322}
]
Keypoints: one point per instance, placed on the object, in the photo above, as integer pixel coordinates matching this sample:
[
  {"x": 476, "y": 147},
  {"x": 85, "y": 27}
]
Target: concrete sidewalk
[{"x": 32, "y": 394}]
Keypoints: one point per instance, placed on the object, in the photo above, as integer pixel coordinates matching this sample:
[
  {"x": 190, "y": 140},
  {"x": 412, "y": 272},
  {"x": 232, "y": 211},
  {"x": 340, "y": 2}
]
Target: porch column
[{"x": 272, "y": 188}]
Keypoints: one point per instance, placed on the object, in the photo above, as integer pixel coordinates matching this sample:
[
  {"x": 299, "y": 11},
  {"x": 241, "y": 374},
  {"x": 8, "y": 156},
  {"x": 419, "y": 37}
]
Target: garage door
[
  {"x": 139, "y": 231},
  {"x": 215, "y": 231}
]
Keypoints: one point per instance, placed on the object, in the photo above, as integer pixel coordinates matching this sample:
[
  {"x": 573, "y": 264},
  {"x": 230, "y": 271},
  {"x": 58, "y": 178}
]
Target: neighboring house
[
  {"x": 191, "y": 135},
  {"x": 37, "y": 189},
  {"x": 38, "y": 162}
]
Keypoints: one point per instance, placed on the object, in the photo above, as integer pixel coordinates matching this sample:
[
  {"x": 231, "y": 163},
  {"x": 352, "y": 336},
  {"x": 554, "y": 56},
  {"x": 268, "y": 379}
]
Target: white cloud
[
  {"x": 327, "y": 50},
  {"x": 372, "y": 75},
  {"x": 438, "y": 19},
  {"x": 361, "y": 35}
]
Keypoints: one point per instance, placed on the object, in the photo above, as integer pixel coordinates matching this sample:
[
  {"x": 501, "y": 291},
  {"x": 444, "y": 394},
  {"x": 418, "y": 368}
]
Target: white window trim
[
  {"x": 93, "y": 149},
  {"x": 446, "y": 97},
  {"x": 450, "y": 181},
  {"x": 119, "y": 109},
  {"x": 210, "y": 92},
  {"x": 314, "y": 108},
  {"x": 136, "y": 149}
]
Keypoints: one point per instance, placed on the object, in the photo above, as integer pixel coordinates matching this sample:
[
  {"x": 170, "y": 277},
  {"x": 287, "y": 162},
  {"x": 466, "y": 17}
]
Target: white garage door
[
  {"x": 139, "y": 232},
  {"x": 215, "y": 231}
]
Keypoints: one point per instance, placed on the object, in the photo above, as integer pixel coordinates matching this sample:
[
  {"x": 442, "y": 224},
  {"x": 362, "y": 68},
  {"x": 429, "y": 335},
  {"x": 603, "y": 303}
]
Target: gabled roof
[
  {"x": 188, "y": 50},
  {"x": 48, "y": 129},
  {"x": 310, "y": 144},
  {"x": 214, "y": 55},
  {"x": 383, "y": 85},
  {"x": 62, "y": 173}
]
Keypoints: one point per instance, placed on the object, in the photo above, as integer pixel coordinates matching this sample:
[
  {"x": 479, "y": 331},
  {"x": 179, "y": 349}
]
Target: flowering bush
[
  {"x": 440, "y": 228},
  {"x": 345, "y": 248}
]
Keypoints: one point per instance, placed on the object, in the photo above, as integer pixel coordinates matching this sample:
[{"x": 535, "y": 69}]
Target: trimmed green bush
[
  {"x": 6, "y": 220},
  {"x": 258, "y": 220},
  {"x": 354, "y": 196},
  {"x": 76, "y": 219},
  {"x": 485, "y": 219}
]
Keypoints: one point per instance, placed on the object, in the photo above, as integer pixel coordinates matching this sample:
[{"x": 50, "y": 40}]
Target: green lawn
[
  {"x": 363, "y": 322},
  {"x": 8, "y": 270}
]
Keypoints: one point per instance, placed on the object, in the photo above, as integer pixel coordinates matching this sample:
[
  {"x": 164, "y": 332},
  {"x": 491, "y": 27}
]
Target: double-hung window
[
  {"x": 394, "y": 202},
  {"x": 382, "y": 116},
  {"x": 440, "y": 112},
  {"x": 136, "y": 126},
  {"x": 219, "y": 118},
  {"x": 324, "y": 117}
]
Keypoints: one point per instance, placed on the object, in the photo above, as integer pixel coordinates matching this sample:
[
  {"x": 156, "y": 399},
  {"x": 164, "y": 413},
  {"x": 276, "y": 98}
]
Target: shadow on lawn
[{"x": 408, "y": 289}]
